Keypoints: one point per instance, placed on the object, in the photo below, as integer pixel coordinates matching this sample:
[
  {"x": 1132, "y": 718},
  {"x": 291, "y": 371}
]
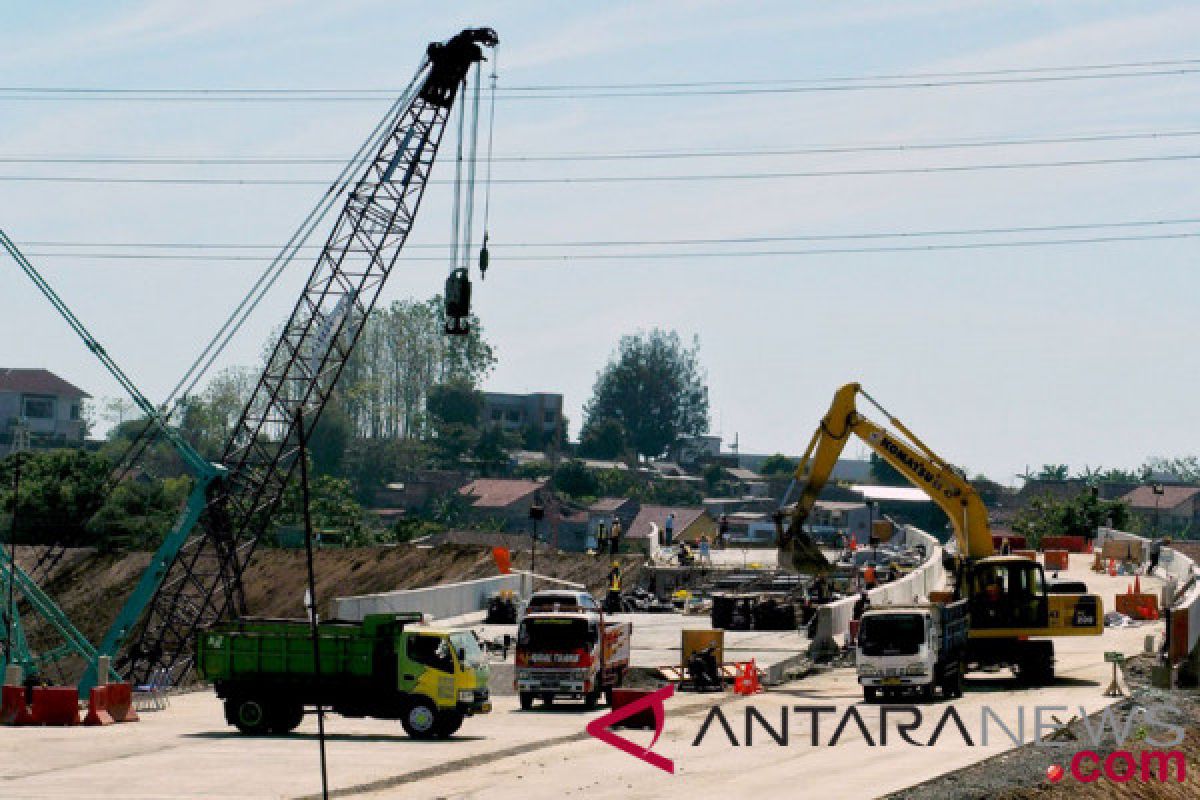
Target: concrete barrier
[
  {"x": 1179, "y": 571},
  {"x": 442, "y": 601},
  {"x": 833, "y": 619}
]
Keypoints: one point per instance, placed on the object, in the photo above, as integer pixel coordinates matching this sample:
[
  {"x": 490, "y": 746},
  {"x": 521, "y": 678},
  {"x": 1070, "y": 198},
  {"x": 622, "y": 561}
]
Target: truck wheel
[
  {"x": 526, "y": 700},
  {"x": 870, "y": 694},
  {"x": 286, "y": 717},
  {"x": 249, "y": 714},
  {"x": 591, "y": 700},
  {"x": 548, "y": 699},
  {"x": 926, "y": 693},
  {"x": 420, "y": 718},
  {"x": 447, "y": 724},
  {"x": 1035, "y": 664}
]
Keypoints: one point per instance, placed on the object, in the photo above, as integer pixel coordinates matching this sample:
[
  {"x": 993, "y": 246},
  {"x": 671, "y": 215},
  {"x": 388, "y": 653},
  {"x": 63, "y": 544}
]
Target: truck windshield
[
  {"x": 892, "y": 634},
  {"x": 465, "y": 642},
  {"x": 554, "y": 634}
]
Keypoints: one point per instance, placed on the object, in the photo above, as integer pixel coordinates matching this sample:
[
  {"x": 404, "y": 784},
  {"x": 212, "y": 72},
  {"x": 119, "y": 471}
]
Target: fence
[{"x": 833, "y": 619}]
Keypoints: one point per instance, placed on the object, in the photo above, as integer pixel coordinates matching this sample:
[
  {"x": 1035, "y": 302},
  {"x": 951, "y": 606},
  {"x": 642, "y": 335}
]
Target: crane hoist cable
[
  {"x": 458, "y": 283},
  {"x": 484, "y": 255}
]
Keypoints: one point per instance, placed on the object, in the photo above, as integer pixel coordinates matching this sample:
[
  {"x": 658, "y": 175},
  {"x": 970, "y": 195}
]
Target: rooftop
[
  {"x": 1144, "y": 498},
  {"x": 37, "y": 381},
  {"x": 499, "y": 492},
  {"x": 685, "y": 516}
]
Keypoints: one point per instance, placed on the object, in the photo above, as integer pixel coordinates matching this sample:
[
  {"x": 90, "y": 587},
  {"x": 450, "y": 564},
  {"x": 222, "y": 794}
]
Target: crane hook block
[{"x": 458, "y": 302}]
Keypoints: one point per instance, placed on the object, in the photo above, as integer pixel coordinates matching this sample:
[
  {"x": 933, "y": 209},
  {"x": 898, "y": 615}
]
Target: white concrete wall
[
  {"x": 1172, "y": 565},
  {"x": 833, "y": 619},
  {"x": 440, "y": 602}
]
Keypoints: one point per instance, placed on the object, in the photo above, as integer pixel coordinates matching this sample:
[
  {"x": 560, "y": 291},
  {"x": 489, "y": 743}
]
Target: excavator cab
[{"x": 1006, "y": 592}]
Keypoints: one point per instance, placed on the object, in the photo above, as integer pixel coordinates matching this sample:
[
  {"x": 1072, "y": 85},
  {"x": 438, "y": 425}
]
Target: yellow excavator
[{"x": 1013, "y": 611}]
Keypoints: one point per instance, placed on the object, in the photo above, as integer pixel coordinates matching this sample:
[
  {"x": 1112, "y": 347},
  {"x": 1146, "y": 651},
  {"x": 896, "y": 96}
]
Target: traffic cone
[
  {"x": 1137, "y": 585},
  {"x": 1112, "y": 568}
]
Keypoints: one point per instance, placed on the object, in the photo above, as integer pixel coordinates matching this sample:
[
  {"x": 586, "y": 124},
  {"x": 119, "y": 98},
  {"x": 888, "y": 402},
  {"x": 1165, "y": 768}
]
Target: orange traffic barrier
[
  {"x": 55, "y": 705},
  {"x": 746, "y": 681},
  {"x": 120, "y": 702},
  {"x": 97, "y": 713},
  {"x": 13, "y": 710},
  {"x": 1138, "y": 606},
  {"x": 1112, "y": 568}
]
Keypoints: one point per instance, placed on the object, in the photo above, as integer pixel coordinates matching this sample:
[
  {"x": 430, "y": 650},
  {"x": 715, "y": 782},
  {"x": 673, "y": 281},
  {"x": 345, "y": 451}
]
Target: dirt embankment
[{"x": 90, "y": 588}]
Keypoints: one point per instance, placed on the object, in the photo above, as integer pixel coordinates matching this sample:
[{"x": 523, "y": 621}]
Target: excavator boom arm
[{"x": 904, "y": 451}]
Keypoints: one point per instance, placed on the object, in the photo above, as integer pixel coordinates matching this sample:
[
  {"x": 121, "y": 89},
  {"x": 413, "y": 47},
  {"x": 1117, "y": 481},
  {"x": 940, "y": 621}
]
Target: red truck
[{"x": 574, "y": 654}]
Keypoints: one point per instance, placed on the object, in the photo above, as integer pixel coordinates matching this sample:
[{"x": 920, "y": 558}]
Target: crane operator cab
[{"x": 1007, "y": 592}]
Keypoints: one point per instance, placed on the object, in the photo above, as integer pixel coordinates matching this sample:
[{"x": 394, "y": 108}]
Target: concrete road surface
[{"x": 189, "y": 751}]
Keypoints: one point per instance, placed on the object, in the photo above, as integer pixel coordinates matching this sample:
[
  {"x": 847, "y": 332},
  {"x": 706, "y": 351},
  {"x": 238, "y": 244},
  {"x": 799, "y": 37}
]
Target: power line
[
  {"x": 656, "y": 89},
  {"x": 1063, "y": 163},
  {"x": 594, "y": 243},
  {"x": 880, "y": 147},
  {"x": 693, "y": 254}
]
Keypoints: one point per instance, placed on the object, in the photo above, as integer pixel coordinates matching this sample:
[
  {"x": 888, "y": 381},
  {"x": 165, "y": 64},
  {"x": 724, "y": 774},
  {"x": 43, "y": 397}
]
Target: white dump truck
[{"x": 912, "y": 650}]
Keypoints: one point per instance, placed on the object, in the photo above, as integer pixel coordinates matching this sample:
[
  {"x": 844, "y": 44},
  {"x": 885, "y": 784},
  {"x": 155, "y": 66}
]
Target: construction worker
[
  {"x": 705, "y": 555},
  {"x": 669, "y": 528},
  {"x": 601, "y": 538},
  {"x": 612, "y": 599},
  {"x": 870, "y": 579},
  {"x": 723, "y": 531},
  {"x": 614, "y": 536}
]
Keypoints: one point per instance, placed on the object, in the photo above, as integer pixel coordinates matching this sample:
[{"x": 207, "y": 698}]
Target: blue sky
[{"x": 998, "y": 358}]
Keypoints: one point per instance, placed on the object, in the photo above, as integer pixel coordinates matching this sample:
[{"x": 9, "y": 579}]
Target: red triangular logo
[{"x": 599, "y": 728}]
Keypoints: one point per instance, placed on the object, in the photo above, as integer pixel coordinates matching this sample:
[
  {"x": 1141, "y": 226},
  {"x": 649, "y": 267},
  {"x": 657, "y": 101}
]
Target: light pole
[
  {"x": 536, "y": 512},
  {"x": 1159, "y": 491}
]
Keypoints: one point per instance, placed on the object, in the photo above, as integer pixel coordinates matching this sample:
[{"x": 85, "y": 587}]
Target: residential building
[
  {"x": 503, "y": 498},
  {"x": 690, "y": 524},
  {"x": 1174, "y": 511},
  {"x": 42, "y": 405},
  {"x": 605, "y": 510},
  {"x": 540, "y": 411},
  {"x": 696, "y": 449}
]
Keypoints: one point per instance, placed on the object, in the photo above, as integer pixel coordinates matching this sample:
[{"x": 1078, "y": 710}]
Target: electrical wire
[
  {"x": 659, "y": 89},
  {"x": 565, "y": 257},
  {"x": 597, "y": 179},
  {"x": 593, "y": 243},
  {"x": 881, "y": 147}
]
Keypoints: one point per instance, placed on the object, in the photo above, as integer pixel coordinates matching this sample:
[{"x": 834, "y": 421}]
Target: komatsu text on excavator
[{"x": 1013, "y": 612}]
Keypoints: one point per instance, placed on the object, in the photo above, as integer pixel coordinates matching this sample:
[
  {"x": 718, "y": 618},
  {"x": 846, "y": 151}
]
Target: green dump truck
[{"x": 387, "y": 666}]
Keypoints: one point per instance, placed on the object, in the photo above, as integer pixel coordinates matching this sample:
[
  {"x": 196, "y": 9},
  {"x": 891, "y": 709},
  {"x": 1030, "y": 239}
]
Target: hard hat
[{"x": 616, "y": 563}]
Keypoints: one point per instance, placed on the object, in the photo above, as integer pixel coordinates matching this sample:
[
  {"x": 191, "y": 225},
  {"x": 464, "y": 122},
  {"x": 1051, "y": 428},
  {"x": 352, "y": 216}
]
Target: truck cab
[
  {"x": 573, "y": 654},
  {"x": 912, "y": 650}
]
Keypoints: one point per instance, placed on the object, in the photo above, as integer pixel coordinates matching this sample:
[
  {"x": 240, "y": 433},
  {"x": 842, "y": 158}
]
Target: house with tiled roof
[
  {"x": 1166, "y": 508},
  {"x": 38, "y": 409},
  {"x": 690, "y": 524}
]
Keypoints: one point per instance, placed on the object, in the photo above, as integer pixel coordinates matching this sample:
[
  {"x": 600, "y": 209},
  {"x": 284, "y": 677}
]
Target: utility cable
[
  {"x": 601, "y": 179},
  {"x": 650, "y": 155}
]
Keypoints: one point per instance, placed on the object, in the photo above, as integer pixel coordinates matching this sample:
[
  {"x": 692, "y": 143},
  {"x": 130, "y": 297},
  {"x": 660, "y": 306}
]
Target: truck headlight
[
  {"x": 915, "y": 669},
  {"x": 868, "y": 670},
  {"x": 466, "y": 696}
]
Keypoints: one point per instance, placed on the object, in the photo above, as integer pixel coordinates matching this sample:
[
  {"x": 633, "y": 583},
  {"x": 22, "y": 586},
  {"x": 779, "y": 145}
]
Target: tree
[
  {"x": 574, "y": 479},
  {"x": 1078, "y": 516},
  {"x": 403, "y": 351},
  {"x": 654, "y": 386},
  {"x": 1184, "y": 468},
  {"x": 604, "y": 439},
  {"x": 885, "y": 474},
  {"x": 777, "y": 465},
  {"x": 331, "y": 504},
  {"x": 492, "y": 447},
  {"x": 455, "y": 403},
  {"x": 60, "y": 491},
  {"x": 1054, "y": 472}
]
